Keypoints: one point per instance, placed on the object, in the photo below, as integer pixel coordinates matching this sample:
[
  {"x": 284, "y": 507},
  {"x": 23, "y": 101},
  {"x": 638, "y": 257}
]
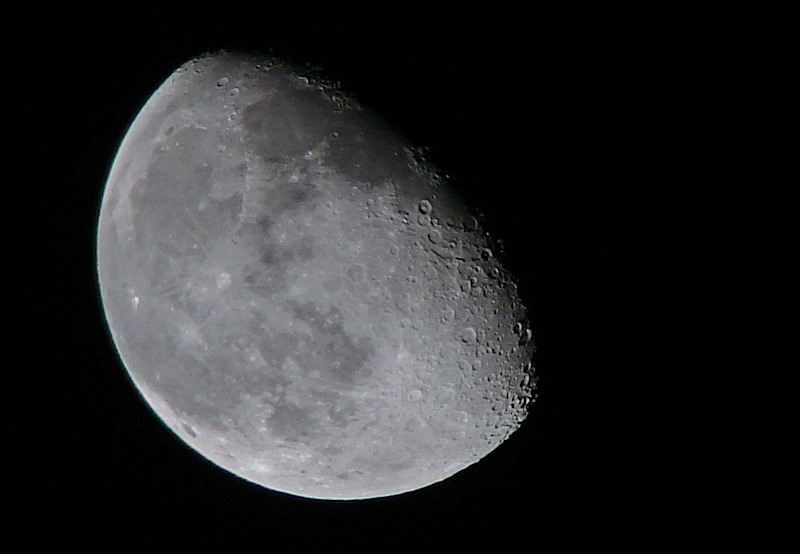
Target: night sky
[{"x": 612, "y": 151}]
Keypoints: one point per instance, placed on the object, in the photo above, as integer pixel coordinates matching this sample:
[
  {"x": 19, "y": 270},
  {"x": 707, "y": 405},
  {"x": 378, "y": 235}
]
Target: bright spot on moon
[{"x": 298, "y": 295}]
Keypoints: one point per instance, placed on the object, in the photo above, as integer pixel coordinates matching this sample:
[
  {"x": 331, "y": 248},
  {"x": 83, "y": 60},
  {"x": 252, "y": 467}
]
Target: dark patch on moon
[
  {"x": 282, "y": 127},
  {"x": 301, "y": 249},
  {"x": 189, "y": 430},
  {"x": 330, "y": 351},
  {"x": 288, "y": 197},
  {"x": 291, "y": 422}
]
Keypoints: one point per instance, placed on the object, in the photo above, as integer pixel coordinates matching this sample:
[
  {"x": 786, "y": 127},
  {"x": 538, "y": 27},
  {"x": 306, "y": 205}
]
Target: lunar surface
[{"x": 298, "y": 295}]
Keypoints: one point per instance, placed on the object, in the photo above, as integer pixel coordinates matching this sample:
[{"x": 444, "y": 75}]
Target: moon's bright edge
[{"x": 297, "y": 295}]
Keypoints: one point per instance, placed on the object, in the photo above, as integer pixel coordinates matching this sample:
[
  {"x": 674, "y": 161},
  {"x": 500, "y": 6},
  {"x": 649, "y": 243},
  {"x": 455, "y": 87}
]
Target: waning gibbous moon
[{"x": 298, "y": 295}]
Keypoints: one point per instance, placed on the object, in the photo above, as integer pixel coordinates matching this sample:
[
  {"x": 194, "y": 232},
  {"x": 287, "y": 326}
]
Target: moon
[{"x": 298, "y": 295}]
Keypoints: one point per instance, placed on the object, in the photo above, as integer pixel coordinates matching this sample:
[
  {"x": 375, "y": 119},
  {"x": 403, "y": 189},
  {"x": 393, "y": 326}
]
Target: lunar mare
[{"x": 297, "y": 295}]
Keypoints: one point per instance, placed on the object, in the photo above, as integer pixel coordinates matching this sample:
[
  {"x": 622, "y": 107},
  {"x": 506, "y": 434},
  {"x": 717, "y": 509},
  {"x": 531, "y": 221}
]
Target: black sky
[{"x": 612, "y": 151}]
